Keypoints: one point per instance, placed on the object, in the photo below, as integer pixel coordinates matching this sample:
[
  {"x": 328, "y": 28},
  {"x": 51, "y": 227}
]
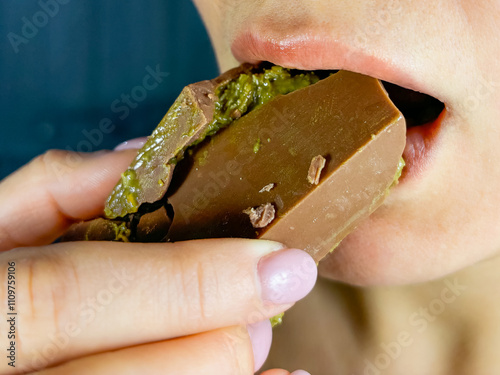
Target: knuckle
[
  {"x": 49, "y": 284},
  {"x": 46, "y": 160},
  {"x": 195, "y": 289},
  {"x": 52, "y": 155},
  {"x": 191, "y": 287},
  {"x": 57, "y": 162}
]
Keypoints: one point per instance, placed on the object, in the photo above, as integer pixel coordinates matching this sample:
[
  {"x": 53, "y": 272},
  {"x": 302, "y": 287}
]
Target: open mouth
[
  {"x": 423, "y": 114},
  {"x": 418, "y": 109},
  {"x": 410, "y": 92}
]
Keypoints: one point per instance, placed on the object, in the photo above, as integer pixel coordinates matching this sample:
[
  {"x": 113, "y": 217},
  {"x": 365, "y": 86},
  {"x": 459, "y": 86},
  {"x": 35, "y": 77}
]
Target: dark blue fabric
[{"x": 65, "y": 62}]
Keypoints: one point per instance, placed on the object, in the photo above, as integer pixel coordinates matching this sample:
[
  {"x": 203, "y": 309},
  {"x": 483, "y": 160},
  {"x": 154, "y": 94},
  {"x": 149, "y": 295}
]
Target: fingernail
[
  {"x": 287, "y": 276},
  {"x": 132, "y": 143},
  {"x": 261, "y": 335},
  {"x": 300, "y": 372}
]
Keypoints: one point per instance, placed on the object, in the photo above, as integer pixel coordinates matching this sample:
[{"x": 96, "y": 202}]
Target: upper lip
[{"x": 312, "y": 52}]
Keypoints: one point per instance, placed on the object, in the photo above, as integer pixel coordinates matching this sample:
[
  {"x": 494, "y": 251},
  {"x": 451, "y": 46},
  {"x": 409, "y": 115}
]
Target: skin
[
  {"x": 430, "y": 224},
  {"x": 440, "y": 224},
  {"x": 441, "y": 221}
]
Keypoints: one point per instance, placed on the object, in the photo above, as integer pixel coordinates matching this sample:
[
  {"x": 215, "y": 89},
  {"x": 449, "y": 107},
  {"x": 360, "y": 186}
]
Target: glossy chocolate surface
[
  {"x": 303, "y": 169},
  {"x": 346, "y": 118}
]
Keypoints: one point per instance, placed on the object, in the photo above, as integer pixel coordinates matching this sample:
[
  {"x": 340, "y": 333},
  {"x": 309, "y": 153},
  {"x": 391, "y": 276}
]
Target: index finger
[
  {"x": 88, "y": 297},
  {"x": 42, "y": 199}
]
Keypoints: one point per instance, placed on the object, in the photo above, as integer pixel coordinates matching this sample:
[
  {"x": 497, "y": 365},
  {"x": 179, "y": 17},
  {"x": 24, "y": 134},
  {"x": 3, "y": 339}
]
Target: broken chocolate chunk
[
  {"x": 201, "y": 110},
  {"x": 187, "y": 122}
]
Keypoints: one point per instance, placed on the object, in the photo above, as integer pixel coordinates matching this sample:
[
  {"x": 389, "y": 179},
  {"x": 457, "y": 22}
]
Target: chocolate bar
[
  {"x": 344, "y": 129},
  {"x": 303, "y": 166}
]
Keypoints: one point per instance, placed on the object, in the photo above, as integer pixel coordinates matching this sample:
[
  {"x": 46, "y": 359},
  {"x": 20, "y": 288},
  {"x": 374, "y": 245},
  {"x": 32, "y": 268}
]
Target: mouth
[
  {"x": 423, "y": 114},
  {"x": 423, "y": 111}
]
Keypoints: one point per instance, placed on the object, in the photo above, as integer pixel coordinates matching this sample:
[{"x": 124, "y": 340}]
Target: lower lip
[{"x": 420, "y": 143}]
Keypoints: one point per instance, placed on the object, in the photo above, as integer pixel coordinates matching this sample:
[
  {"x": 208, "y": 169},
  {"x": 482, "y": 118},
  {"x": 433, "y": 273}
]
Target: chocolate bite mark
[
  {"x": 317, "y": 165},
  {"x": 261, "y": 216}
]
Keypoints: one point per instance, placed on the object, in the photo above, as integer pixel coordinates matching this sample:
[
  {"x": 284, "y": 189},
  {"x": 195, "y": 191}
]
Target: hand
[{"x": 194, "y": 307}]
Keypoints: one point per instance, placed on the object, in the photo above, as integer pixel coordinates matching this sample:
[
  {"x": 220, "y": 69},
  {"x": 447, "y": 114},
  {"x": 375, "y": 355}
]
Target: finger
[
  {"x": 261, "y": 336},
  {"x": 275, "y": 372},
  {"x": 223, "y": 351},
  {"x": 284, "y": 372},
  {"x": 135, "y": 143},
  {"x": 43, "y": 198},
  {"x": 86, "y": 297}
]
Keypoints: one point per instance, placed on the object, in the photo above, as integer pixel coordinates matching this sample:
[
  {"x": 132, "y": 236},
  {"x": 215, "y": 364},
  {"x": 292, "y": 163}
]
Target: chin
[{"x": 400, "y": 245}]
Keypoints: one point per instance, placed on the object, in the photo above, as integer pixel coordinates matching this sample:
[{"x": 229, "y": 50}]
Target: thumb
[{"x": 42, "y": 199}]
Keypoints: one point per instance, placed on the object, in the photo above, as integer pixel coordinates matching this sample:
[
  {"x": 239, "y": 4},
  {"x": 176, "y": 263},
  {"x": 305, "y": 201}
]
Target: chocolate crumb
[
  {"x": 261, "y": 216},
  {"x": 317, "y": 165},
  {"x": 267, "y": 188}
]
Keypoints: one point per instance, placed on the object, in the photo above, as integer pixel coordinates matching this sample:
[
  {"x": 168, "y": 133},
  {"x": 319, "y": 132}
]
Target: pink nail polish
[
  {"x": 287, "y": 276},
  {"x": 131, "y": 144},
  {"x": 261, "y": 335},
  {"x": 300, "y": 372}
]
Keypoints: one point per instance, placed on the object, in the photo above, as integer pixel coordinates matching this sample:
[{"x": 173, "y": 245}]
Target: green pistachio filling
[
  {"x": 249, "y": 91},
  {"x": 277, "y": 320},
  {"x": 122, "y": 233}
]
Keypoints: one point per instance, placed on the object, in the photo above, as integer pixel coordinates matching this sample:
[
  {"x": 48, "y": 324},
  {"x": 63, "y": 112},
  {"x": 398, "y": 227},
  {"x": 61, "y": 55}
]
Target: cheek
[{"x": 442, "y": 222}]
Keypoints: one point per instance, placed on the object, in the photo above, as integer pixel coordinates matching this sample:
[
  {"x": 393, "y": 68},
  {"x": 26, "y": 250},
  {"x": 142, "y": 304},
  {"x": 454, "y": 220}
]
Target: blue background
[{"x": 84, "y": 56}]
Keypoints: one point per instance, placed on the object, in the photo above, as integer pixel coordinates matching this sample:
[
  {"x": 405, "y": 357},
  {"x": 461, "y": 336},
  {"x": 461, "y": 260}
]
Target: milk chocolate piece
[
  {"x": 347, "y": 117},
  {"x": 200, "y": 111},
  {"x": 149, "y": 227},
  {"x": 317, "y": 165},
  {"x": 149, "y": 175}
]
